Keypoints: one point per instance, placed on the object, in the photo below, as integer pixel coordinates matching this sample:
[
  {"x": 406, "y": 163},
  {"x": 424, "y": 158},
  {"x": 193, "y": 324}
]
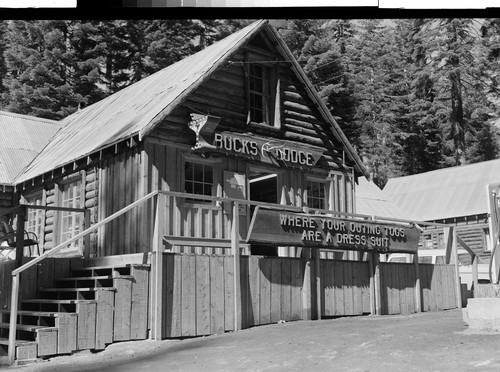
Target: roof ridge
[{"x": 30, "y": 117}]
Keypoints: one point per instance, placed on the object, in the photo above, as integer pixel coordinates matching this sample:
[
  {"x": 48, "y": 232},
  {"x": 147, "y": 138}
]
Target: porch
[{"x": 199, "y": 277}]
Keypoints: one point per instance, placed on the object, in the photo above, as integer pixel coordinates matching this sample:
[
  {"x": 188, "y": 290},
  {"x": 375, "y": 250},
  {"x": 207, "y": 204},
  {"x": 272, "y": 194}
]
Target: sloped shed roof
[
  {"x": 137, "y": 109},
  {"x": 445, "y": 193},
  {"x": 372, "y": 201},
  {"x": 21, "y": 139}
]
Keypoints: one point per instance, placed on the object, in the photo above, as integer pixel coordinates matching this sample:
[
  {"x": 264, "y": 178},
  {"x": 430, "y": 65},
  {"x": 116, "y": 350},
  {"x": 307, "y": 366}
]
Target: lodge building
[{"x": 231, "y": 130}]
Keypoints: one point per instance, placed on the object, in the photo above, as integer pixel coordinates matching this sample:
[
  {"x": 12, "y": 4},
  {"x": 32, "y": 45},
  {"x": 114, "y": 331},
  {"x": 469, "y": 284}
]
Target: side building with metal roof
[
  {"x": 456, "y": 195},
  {"x": 22, "y": 139}
]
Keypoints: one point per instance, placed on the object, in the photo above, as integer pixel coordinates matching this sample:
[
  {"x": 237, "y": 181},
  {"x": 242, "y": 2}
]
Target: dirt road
[{"x": 421, "y": 342}]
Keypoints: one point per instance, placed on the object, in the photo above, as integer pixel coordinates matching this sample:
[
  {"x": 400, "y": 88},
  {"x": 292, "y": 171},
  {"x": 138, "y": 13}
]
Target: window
[
  {"x": 35, "y": 217},
  {"x": 71, "y": 194},
  {"x": 316, "y": 194},
  {"x": 259, "y": 93},
  {"x": 198, "y": 178}
]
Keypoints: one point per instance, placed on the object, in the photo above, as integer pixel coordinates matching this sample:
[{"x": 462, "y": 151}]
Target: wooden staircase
[{"x": 93, "y": 307}]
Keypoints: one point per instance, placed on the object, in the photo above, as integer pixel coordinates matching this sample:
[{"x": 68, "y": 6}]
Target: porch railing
[{"x": 159, "y": 231}]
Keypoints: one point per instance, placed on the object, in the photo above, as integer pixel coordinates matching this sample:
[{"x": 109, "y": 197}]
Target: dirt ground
[{"x": 421, "y": 342}]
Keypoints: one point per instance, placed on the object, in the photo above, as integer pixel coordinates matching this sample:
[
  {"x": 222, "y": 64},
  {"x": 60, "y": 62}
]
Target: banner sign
[
  {"x": 268, "y": 150},
  {"x": 320, "y": 231}
]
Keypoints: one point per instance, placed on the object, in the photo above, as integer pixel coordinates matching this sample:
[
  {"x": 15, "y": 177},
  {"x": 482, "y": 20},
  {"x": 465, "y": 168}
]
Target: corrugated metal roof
[
  {"x": 22, "y": 138},
  {"x": 134, "y": 109},
  {"x": 138, "y": 108},
  {"x": 370, "y": 200},
  {"x": 445, "y": 193}
]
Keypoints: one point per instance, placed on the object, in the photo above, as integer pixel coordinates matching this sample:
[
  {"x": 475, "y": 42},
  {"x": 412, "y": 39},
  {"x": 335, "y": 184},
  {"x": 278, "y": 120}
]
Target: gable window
[
  {"x": 259, "y": 93},
  {"x": 262, "y": 87},
  {"x": 198, "y": 178},
  {"x": 316, "y": 194},
  {"x": 35, "y": 217},
  {"x": 70, "y": 197}
]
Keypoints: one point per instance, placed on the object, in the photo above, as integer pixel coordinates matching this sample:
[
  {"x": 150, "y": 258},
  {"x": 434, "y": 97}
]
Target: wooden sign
[
  {"x": 320, "y": 231},
  {"x": 268, "y": 150}
]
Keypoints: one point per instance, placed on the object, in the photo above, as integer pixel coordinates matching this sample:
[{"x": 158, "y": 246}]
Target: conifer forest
[{"x": 412, "y": 95}]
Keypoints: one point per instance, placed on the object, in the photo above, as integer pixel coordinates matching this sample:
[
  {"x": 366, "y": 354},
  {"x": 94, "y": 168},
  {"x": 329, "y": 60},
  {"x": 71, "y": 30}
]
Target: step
[
  {"x": 89, "y": 289},
  {"x": 5, "y": 341},
  {"x": 72, "y": 293},
  {"x": 39, "y": 313},
  {"x": 24, "y": 327},
  {"x": 101, "y": 277}
]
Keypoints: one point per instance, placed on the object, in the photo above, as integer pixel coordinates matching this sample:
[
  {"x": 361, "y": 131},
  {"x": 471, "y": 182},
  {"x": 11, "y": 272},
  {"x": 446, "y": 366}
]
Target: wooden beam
[
  {"x": 21, "y": 220},
  {"x": 418, "y": 290},
  {"x": 13, "y": 319},
  {"x": 317, "y": 289},
  {"x": 235, "y": 246}
]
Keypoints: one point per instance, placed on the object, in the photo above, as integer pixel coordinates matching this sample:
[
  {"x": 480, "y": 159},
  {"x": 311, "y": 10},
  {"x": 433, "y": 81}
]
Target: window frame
[
  {"x": 216, "y": 184},
  {"x": 272, "y": 82},
  {"x": 59, "y": 188},
  {"x": 326, "y": 197},
  {"x": 38, "y": 214}
]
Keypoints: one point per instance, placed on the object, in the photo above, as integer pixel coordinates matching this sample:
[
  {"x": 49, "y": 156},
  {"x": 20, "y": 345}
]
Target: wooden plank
[
  {"x": 66, "y": 333},
  {"x": 410, "y": 289},
  {"x": 244, "y": 291},
  {"x": 26, "y": 351},
  {"x": 86, "y": 325},
  {"x": 203, "y": 295},
  {"x": 328, "y": 287},
  {"x": 338, "y": 282},
  {"x": 365, "y": 287},
  {"x": 139, "y": 306},
  {"x": 452, "y": 279},
  {"x": 357, "y": 284},
  {"x": 275, "y": 292},
  {"x": 173, "y": 304},
  {"x": 188, "y": 317},
  {"x": 265, "y": 291},
  {"x": 105, "y": 334},
  {"x": 123, "y": 305},
  {"x": 229, "y": 291},
  {"x": 437, "y": 287},
  {"x": 254, "y": 288},
  {"x": 46, "y": 339},
  {"x": 286, "y": 289},
  {"x": 216, "y": 294},
  {"x": 402, "y": 282},
  {"x": 347, "y": 289},
  {"x": 296, "y": 294}
]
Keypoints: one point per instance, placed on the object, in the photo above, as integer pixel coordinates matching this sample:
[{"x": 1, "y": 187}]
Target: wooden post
[
  {"x": 235, "y": 247},
  {"x": 377, "y": 289},
  {"x": 86, "y": 242},
  {"x": 418, "y": 291},
  {"x": 450, "y": 235},
  {"x": 371, "y": 267},
  {"x": 306, "y": 285},
  {"x": 474, "y": 274},
  {"x": 21, "y": 215},
  {"x": 158, "y": 233},
  {"x": 160, "y": 221},
  {"x": 13, "y": 319},
  {"x": 317, "y": 290}
]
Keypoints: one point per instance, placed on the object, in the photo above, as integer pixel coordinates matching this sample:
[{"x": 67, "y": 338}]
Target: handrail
[
  {"x": 30, "y": 206},
  {"x": 83, "y": 233},
  {"x": 19, "y": 270}
]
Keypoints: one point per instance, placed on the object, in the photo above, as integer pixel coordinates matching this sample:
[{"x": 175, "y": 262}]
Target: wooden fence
[{"x": 198, "y": 291}]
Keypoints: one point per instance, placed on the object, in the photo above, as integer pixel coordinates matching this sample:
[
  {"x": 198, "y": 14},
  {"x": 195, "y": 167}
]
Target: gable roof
[
  {"x": 372, "y": 201},
  {"x": 22, "y": 138},
  {"x": 445, "y": 193},
  {"x": 137, "y": 109}
]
